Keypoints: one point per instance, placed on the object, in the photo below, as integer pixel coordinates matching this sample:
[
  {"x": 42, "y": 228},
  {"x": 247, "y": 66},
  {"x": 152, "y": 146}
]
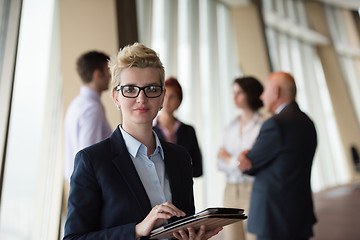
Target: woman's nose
[{"x": 142, "y": 97}]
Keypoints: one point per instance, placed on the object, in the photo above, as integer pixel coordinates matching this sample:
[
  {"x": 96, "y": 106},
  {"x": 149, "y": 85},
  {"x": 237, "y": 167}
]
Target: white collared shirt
[
  {"x": 151, "y": 169},
  {"x": 85, "y": 124},
  {"x": 281, "y": 107},
  {"x": 235, "y": 142}
]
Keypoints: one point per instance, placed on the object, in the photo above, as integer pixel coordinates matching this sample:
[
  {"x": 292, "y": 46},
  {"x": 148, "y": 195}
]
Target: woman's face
[
  {"x": 171, "y": 101},
  {"x": 139, "y": 110},
  {"x": 240, "y": 97}
]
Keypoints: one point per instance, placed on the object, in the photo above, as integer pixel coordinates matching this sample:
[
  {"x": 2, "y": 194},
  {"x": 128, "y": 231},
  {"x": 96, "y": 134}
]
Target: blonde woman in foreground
[{"x": 132, "y": 182}]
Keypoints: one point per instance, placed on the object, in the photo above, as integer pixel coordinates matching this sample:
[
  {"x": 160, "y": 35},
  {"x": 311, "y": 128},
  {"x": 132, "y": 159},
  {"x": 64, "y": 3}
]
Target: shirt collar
[
  {"x": 281, "y": 107},
  {"x": 253, "y": 121},
  {"x": 255, "y": 118},
  {"x": 85, "y": 90},
  {"x": 133, "y": 145}
]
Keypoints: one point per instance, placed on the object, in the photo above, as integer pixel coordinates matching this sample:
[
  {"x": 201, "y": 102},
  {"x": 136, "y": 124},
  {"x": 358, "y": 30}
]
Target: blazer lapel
[{"x": 127, "y": 170}]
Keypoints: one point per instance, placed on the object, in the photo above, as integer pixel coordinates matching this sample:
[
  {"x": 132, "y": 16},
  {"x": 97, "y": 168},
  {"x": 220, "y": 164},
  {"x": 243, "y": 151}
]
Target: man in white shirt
[{"x": 85, "y": 120}]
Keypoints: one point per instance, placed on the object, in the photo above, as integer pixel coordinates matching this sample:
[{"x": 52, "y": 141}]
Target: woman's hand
[
  {"x": 202, "y": 234},
  {"x": 156, "y": 218},
  {"x": 224, "y": 155}
]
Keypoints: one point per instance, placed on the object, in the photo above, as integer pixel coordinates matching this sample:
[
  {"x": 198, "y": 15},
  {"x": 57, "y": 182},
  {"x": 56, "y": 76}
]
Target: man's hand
[{"x": 244, "y": 163}]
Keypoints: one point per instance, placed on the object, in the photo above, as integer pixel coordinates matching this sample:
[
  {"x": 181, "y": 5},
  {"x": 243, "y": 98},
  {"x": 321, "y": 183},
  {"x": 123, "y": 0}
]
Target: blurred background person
[
  {"x": 239, "y": 135},
  {"x": 85, "y": 120},
  {"x": 169, "y": 128},
  {"x": 281, "y": 205}
]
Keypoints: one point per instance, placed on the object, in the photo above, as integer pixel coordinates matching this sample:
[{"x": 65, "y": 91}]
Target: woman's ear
[{"x": 115, "y": 97}]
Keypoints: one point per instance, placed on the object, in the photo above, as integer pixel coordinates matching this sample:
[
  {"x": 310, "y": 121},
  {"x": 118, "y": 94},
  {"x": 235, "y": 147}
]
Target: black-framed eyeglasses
[{"x": 131, "y": 91}]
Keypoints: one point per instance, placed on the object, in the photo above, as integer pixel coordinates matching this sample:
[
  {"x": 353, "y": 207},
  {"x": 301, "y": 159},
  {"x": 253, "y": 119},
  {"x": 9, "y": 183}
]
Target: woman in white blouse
[{"x": 240, "y": 135}]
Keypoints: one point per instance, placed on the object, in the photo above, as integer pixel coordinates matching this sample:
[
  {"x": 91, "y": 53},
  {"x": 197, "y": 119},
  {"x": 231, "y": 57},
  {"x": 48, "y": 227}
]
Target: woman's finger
[
  {"x": 168, "y": 208},
  {"x": 183, "y": 235},
  {"x": 192, "y": 233}
]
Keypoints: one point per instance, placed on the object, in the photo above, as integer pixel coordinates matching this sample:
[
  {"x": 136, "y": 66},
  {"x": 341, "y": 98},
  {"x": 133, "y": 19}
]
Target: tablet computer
[{"x": 210, "y": 217}]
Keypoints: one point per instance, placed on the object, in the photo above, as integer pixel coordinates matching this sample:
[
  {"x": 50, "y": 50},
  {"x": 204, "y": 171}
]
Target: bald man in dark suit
[{"x": 281, "y": 205}]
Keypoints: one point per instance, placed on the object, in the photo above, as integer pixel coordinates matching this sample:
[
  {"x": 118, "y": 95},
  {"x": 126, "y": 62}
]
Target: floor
[{"x": 338, "y": 213}]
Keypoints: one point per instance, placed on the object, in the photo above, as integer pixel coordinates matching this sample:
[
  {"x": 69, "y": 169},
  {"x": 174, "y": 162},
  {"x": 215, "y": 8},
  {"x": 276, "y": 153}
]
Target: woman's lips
[{"x": 141, "y": 110}]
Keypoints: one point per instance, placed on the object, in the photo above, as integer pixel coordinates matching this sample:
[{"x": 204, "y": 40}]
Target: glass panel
[
  {"x": 292, "y": 54},
  {"x": 228, "y": 63},
  {"x": 30, "y": 206},
  {"x": 347, "y": 62},
  {"x": 4, "y": 13},
  {"x": 9, "y": 24}
]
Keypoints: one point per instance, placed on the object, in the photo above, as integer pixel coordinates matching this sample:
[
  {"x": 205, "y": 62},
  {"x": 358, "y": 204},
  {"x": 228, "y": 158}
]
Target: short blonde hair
[{"x": 136, "y": 55}]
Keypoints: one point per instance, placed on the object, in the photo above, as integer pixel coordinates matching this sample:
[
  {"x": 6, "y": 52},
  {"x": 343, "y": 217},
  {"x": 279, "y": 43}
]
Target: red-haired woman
[{"x": 169, "y": 128}]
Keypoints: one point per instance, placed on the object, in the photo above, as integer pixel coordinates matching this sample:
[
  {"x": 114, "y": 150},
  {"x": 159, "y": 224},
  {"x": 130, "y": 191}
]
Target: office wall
[
  {"x": 250, "y": 41},
  {"x": 86, "y": 25}
]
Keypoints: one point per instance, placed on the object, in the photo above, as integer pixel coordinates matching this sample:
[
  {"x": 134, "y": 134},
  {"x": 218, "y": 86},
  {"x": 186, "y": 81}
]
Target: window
[
  {"x": 31, "y": 194},
  {"x": 193, "y": 39},
  {"x": 349, "y": 55},
  {"x": 292, "y": 46}
]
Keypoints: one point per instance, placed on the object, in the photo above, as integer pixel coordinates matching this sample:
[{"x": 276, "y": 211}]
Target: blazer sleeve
[
  {"x": 195, "y": 154},
  {"x": 266, "y": 148},
  {"x": 84, "y": 206}
]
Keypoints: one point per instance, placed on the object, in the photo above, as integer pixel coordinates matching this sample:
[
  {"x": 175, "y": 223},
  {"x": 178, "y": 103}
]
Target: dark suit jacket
[
  {"x": 107, "y": 198},
  {"x": 281, "y": 201},
  {"x": 186, "y": 137}
]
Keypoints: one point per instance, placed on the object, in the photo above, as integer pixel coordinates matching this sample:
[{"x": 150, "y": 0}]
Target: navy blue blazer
[
  {"x": 186, "y": 137},
  {"x": 107, "y": 198},
  {"x": 281, "y": 201}
]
